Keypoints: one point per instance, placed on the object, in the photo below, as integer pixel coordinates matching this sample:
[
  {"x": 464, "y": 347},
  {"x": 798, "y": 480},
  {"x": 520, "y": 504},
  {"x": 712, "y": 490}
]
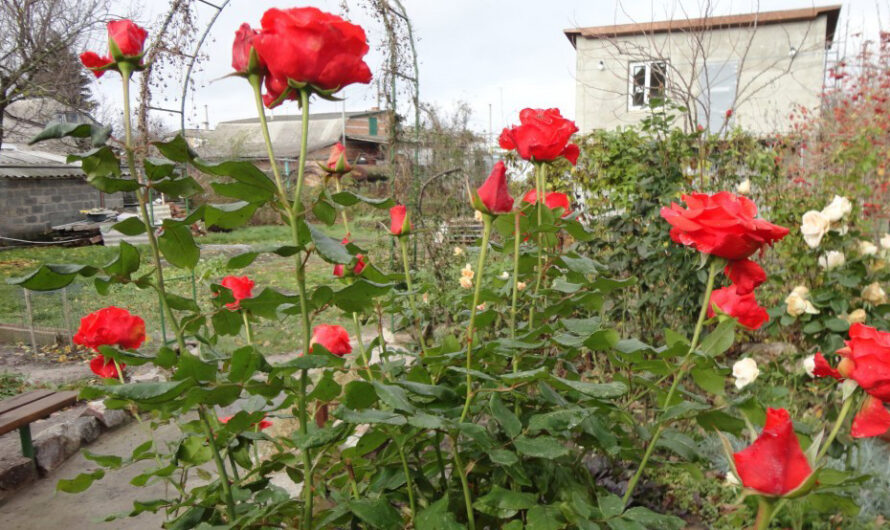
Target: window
[
  {"x": 647, "y": 82},
  {"x": 372, "y": 126}
]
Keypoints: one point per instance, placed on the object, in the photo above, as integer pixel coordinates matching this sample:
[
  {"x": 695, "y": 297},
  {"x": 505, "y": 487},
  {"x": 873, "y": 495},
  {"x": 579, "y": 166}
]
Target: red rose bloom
[
  {"x": 105, "y": 368},
  {"x": 543, "y": 136},
  {"x": 111, "y": 326},
  {"x": 356, "y": 270},
  {"x": 241, "y": 287},
  {"x": 334, "y": 338},
  {"x": 745, "y": 275},
  {"x": 552, "y": 200},
  {"x": 277, "y": 91},
  {"x": 241, "y": 52},
  {"x": 95, "y": 63},
  {"x": 307, "y": 45},
  {"x": 262, "y": 425},
  {"x": 774, "y": 464},
  {"x": 127, "y": 36},
  {"x": 871, "y": 420},
  {"x": 742, "y": 307},
  {"x": 399, "y": 224},
  {"x": 337, "y": 161},
  {"x": 868, "y": 360},
  {"x": 493, "y": 193},
  {"x": 722, "y": 225},
  {"x": 823, "y": 369}
]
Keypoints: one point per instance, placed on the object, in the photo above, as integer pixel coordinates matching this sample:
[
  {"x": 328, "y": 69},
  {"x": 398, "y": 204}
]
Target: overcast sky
[{"x": 507, "y": 54}]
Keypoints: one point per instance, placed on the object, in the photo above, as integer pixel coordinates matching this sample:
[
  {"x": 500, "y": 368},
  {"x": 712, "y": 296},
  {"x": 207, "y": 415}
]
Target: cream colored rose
[
  {"x": 867, "y": 248},
  {"x": 814, "y": 226},
  {"x": 477, "y": 215},
  {"x": 744, "y": 187},
  {"x": 857, "y": 316},
  {"x": 874, "y": 294},
  {"x": 837, "y": 208},
  {"x": 885, "y": 242},
  {"x": 467, "y": 272},
  {"x": 809, "y": 365},
  {"x": 521, "y": 286},
  {"x": 797, "y": 303},
  {"x": 832, "y": 260},
  {"x": 458, "y": 251},
  {"x": 745, "y": 372},
  {"x": 466, "y": 283},
  {"x": 504, "y": 275}
]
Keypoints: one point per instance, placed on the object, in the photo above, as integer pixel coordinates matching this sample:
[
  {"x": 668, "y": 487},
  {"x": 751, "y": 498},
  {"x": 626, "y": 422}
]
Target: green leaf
[
  {"x": 329, "y": 248},
  {"x": 194, "y": 450},
  {"x": 359, "y": 295},
  {"x": 267, "y": 302},
  {"x": 837, "y": 325},
  {"x": 348, "y": 198},
  {"x": 142, "y": 392},
  {"x": 359, "y": 395},
  {"x": 51, "y": 277},
  {"x": 595, "y": 390},
  {"x": 81, "y": 482},
  {"x": 132, "y": 226},
  {"x": 325, "y": 212},
  {"x": 436, "y": 516},
  {"x": 54, "y": 130},
  {"x": 650, "y": 519},
  {"x": 109, "y": 461},
  {"x": 540, "y": 447},
  {"x": 682, "y": 409},
  {"x": 558, "y": 420},
  {"x": 503, "y": 457},
  {"x": 181, "y": 303},
  {"x": 715, "y": 419},
  {"x": 505, "y": 417},
  {"x": 719, "y": 340},
  {"x": 321, "y": 437},
  {"x": 177, "y": 149},
  {"x": 245, "y": 362},
  {"x": 393, "y": 396},
  {"x": 504, "y": 503},
  {"x": 709, "y": 380},
  {"x": 544, "y": 518},
  {"x": 370, "y": 416},
  {"x": 377, "y": 513},
  {"x": 611, "y": 505},
  {"x": 158, "y": 168},
  {"x": 326, "y": 389},
  {"x": 435, "y": 391},
  {"x": 182, "y": 187},
  {"x": 229, "y": 215},
  {"x": 126, "y": 262},
  {"x": 178, "y": 246}
]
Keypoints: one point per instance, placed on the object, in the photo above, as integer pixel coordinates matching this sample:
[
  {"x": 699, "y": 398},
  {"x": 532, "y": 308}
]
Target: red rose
[
  {"x": 745, "y": 275},
  {"x": 553, "y": 200},
  {"x": 543, "y": 136},
  {"x": 111, "y": 326},
  {"x": 494, "y": 197},
  {"x": 742, "y": 307},
  {"x": 871, "y": 420},
  {"x": 242, "y": 50},
  {"x": 262, "y": 425},
  {"x": 334, "y": 338},
  {"x": 722, "y": 225},
  {"x": 105, "y": 368},
  {"x": 127, "y": 37},
  {"x": 399, "y": 224},
  {"x": 307, "y": 45},
  {"x": 95, "y": 63},
  {"x": 357, "y": 269},
  {"x": 868, "y": 360},
  {"x": 823, "y": 369},
  {"x": 337, "y": 162},
  {"x": 774, "y": 464},
  {"x": 277, "y": 91},
  {"x": 241, "y": 287}
]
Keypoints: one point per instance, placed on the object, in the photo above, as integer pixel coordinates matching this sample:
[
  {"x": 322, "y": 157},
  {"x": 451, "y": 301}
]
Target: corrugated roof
[
  {"x": 708, "y": 23},
  {"x": 17, "y": 163}
]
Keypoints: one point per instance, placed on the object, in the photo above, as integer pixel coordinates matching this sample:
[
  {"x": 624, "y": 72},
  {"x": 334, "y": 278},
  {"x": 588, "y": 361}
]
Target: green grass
[{"x": 268, "y": 270}]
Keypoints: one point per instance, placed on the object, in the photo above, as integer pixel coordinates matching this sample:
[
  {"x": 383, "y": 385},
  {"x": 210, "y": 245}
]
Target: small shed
[{"x": 39, "y": 190}]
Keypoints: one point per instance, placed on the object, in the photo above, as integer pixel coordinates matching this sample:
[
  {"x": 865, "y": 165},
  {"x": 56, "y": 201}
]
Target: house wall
[
  {"x": 362, "y": 125},
  {"x": 770, "y": 81},
  {"x": 30, "y": 206}
]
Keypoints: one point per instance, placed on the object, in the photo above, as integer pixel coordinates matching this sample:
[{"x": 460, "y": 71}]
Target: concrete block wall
[{"x": 30, "y": 206}]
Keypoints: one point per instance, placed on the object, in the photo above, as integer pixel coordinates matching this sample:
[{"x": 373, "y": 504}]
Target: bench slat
[
  {"x": 35, "y": 410},
  {"x": 23, "y": 399}
]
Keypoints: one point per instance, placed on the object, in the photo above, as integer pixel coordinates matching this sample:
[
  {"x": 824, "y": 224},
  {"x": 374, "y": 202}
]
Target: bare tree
[{"x": 39, "y": 40}]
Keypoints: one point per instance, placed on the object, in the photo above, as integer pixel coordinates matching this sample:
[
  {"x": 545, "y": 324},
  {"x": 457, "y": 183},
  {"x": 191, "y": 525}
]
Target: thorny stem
[
  {"x": 684, "y": 368},
  {"x": 361, "y": 345},
  {"x": 411, "y": 298},
  {"x": 221, "y": 469},
  {"x": 409, "y": 482},
  {"x": 461, "y": 473},
  {"x": 261, "y": 112},
  {"x": 247, "y": 327},
  {"x": 539, "y": 269},
  {"x": 471, "y": 328},
  {"x": 764, "y": 513},
  {"x": 842, "y": 415}
]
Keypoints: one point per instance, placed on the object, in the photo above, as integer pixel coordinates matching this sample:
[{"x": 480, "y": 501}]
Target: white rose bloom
[
  {"x": 744, "y": 187},
  {"x": 857, "y": 316},
  {"x": 841, "y": 229},
  {"x": 867, "y": 248},
  {"x": 458, "y": 251},
  {"x": 809, "y": 364},
  {"x": 466, "y": 283},
  {"x": 874, "y": 294},
  {"x": 814, "y": 226},
  {"x": 477, "y": 215},
  {"x": 505, "y": 275},
  {"x": 832, "y": 260},
  {"x": 837, "y": 208},
  {"x": 801, "y": 290},
  {"x": 521, "y": 286},
  {"x": 467, "y": 272},
  {"x": 885, "y": 242},
  {"x": 732, "y": 480},
  {"x": 797, "y": 304},
  {"x": 745, "y": 372}
]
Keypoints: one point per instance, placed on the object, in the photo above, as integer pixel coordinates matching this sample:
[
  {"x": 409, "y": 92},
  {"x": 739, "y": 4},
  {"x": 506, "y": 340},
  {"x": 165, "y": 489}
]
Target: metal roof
[
  {"x": 712, "y": 22},
  {"x": 16, "y": 163}
]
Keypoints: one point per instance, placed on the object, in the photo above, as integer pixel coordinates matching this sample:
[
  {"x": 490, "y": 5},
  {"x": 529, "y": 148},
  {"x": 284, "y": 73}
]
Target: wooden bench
[{"x": 20, "y": 411}]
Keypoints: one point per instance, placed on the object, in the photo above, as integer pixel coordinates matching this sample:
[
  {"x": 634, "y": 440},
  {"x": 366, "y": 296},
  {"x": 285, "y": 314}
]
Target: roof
[
  {"x": 316, "y": 116},
  {"x": 17, "y": 163},
  {"x": 714, "y": 22}
]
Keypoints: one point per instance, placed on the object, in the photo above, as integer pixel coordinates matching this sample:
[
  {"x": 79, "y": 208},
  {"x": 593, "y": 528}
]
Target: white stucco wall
[{"x": 770, "y": 81}]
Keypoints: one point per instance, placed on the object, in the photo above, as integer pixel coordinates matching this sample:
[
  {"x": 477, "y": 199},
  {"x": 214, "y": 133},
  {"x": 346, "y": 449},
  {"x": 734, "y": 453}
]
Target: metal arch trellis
[{"x": 193, "y": 58}]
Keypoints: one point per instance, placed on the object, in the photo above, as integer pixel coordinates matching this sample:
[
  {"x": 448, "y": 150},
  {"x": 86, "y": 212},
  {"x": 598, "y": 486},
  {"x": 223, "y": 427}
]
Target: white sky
[{"x": 509, "y": 54}]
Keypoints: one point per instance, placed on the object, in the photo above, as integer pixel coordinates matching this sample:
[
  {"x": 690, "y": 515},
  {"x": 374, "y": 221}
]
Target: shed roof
[
  {"x": 18, "y": 163},
  {"x": 710, "y": 23}
]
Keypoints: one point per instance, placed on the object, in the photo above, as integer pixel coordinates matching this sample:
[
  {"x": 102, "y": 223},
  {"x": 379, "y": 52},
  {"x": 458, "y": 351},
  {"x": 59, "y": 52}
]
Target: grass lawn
[{"x": 266, "y": 270}]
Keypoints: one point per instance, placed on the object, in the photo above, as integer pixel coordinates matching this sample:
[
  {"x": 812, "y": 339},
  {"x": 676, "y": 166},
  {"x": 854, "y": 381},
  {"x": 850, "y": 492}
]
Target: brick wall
[{"x": 30, "y": 206}]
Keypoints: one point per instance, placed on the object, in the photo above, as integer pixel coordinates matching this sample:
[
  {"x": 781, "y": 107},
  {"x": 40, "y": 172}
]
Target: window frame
[{"x": 647, "y": 81}]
